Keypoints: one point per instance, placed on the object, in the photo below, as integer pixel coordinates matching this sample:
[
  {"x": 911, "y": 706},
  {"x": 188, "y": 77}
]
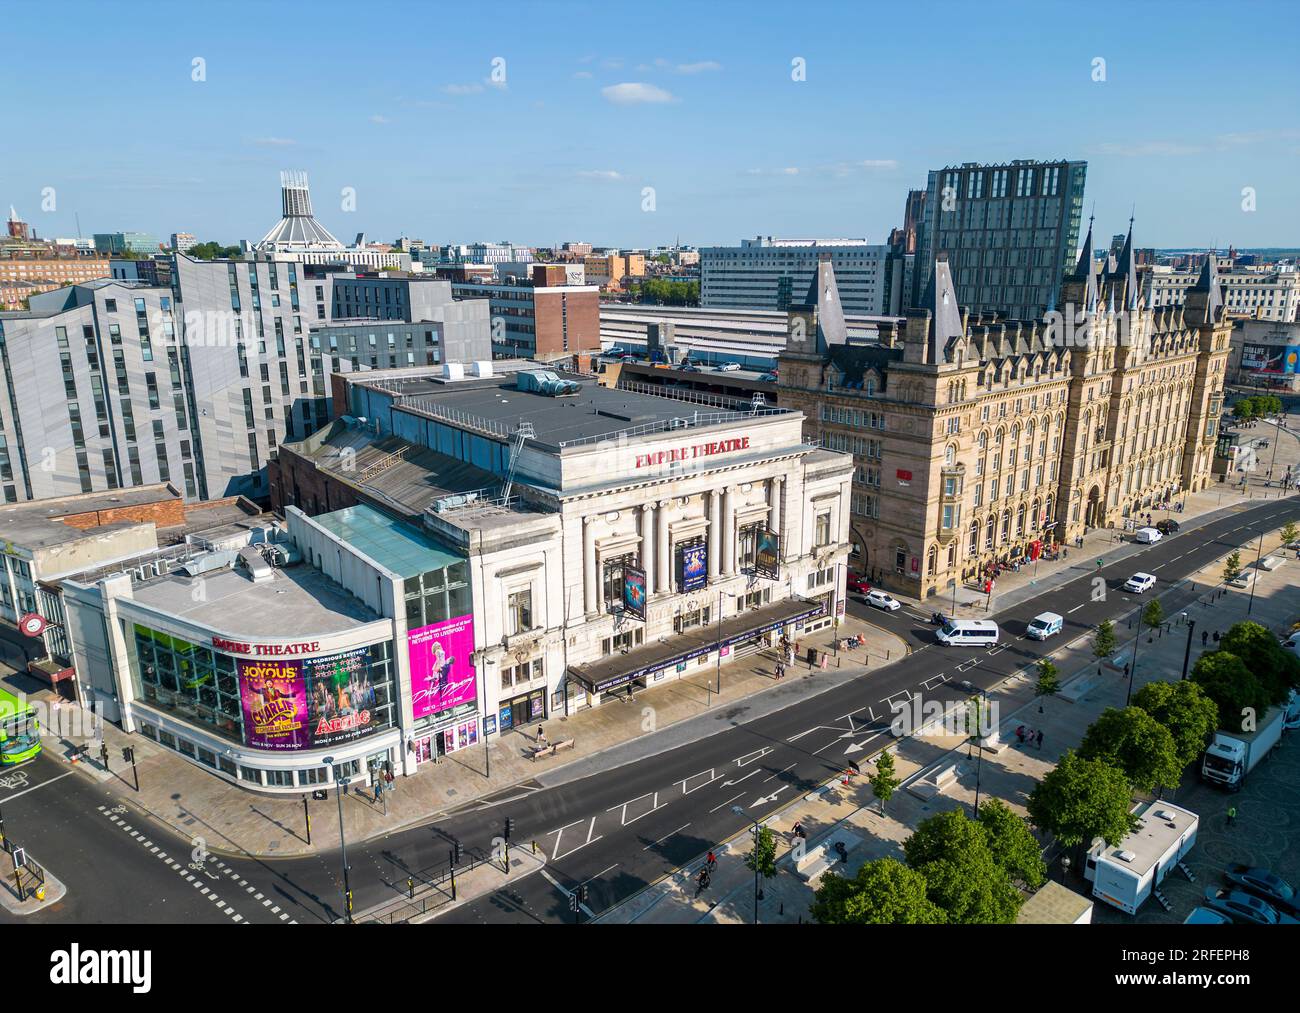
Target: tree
[
  {"x": 1289, "y": 533},
  {"x": 885, "y": 781},
  {"x": 1081, "y": 799},
  {"x": 1277, "y": 670},
  {"x": 1231, "y": 685},
  {"x": 1153, "y": 615},
  {"x": 1103, "y": 641},
  {"x": 1049, "y": 679},
  {"x": 961, "y": 875},
  {"x": 1185, "y": 710},
  {"x": 1232, "y": 566},
  {"x": 761, "y": 859},
  {"x": 1013, "y": 844},
  {"x": 884, "y": 892},
  {"x": 1132, "y": 740}
]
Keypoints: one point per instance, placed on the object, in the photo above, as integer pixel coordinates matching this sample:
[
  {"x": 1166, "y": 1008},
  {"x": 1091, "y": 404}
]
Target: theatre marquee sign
[
  {"x": 266, "y": 650},
  {"x": 692, "y": 452}
]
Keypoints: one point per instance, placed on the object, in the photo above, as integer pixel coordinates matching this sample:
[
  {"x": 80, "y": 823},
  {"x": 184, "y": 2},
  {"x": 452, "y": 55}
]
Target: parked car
[
  {"x": 768, "y": 378},
  {"x": 1204, "y": 916},
  {"x": 1168, "y": 526},
  {"x": 1244, "y": 908},
  {"x": 857, "y": 585},
  {"x": 728, "y": 367},
  {"x": 689, "y": 367},
  {"x": 1140, "y": 582},
  {"x": 1269, "y": 886},
  {"x": 883, "y": 601}
]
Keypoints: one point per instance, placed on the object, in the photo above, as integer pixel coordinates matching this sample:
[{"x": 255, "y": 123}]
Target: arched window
[
  {"x": 932, "y": 560},
  {"x": 988, "y": 533},
  {"x": 871, "y": 388},
  {"x": 982, "y": 441},
  {"x": 1006, "y": 525},
  {"x": 973, "y": 541},
  {"x": 950, "y": 454},
  {"x": 1020, "y": 520}
]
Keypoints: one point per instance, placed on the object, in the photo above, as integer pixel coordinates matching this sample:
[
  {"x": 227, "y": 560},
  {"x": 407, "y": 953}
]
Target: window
[
  {"x": 613, "y": 582},
  {"x": 519, "y": 611},
  {"x": 822, "y": 532},
  {"x": 515, "y": 675}
]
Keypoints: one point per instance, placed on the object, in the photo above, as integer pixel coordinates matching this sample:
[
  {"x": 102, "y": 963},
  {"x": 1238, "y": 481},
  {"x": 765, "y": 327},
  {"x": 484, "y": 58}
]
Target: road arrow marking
[{"x": 772, "y": 797}]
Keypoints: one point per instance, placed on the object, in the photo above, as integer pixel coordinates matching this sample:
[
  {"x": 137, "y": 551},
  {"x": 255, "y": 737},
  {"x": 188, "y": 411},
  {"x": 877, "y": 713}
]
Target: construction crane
[{"x": 525, "y": 431}]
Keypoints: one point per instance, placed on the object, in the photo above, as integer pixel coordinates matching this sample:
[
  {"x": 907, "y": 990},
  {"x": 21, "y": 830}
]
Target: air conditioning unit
[{"x": 453, "y": 371}]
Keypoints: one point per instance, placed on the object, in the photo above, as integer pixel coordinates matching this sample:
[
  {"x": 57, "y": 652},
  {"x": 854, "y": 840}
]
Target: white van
[
  {"x": 968, "y": 633},
  {"x": 1147, "y": 536},
  {"x": 1043, "y": 626}
]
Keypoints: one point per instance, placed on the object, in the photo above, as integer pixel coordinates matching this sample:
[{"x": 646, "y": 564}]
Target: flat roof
[
  {"x": 595, "y": 411},
  {"x": 1053, "y": 904},
  {"x": 393, "y": 544},
  {"x": 1153, "y": 836},
  {"x": 38, "y": 524},
  {"x": 298, "y": 601}
]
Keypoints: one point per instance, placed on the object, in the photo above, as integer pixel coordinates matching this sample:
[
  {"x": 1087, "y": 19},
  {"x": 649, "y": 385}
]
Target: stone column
[
  {"x": 728, "y": 531},
  {"x": 775, "y": 488},
  {"x": 663, "y": 550},
  {"x": 715, "y": 533},
  {"x": 590, "y": 584},
  {"x": 648, "y": 546}
]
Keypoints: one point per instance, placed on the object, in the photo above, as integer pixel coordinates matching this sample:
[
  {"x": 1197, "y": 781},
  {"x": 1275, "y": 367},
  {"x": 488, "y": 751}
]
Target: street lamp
[
  {"x": 1187, "y": 655},
  {"x": 340, "y": 783},
  {"x": 1254, "y": 577}
]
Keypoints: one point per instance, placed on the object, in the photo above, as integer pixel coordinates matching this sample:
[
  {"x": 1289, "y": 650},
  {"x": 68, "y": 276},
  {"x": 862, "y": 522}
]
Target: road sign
[{"x": 20, "y": 858}]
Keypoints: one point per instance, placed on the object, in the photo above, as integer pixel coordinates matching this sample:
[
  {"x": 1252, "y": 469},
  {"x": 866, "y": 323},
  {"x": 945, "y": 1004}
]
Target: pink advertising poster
[{"x": 442, "y": 675}]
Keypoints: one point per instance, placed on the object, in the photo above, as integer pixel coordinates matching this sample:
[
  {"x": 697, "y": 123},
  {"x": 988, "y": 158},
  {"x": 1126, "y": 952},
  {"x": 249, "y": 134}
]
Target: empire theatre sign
[
  {"x": 265, "y": 650},
  {"x": 692, "y": 452}
]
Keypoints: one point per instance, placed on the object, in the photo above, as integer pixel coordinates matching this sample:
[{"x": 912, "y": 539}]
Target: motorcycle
[{"x": 938, "y": 619}]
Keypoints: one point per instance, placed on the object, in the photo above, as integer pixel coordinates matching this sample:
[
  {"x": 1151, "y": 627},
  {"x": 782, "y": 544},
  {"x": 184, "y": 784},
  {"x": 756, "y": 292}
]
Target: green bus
[{"x": 20, "y": 732}]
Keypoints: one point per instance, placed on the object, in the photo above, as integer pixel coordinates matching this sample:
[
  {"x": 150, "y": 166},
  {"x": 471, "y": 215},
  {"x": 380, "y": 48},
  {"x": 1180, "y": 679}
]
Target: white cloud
[
  {"x": 698, "y": 68},
  {"x": 879, "y": 163},
  {"x": 461, "y": 89},
  {"x": 274, "y": 142},
  {"x": 377, "y": 118},
  {"x": 632, "y": 92},
  {"x": 606, "y": 175},
  {"x": 788, "y": 170}
]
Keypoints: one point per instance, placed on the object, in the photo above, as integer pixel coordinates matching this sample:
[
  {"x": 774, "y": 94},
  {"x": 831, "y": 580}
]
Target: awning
[
  {"x": 51, "y": 671},
  {"x": 620, "y": 669}
]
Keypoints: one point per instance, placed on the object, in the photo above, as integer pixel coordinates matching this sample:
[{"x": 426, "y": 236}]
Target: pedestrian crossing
[{"x": 200, "y": 882}]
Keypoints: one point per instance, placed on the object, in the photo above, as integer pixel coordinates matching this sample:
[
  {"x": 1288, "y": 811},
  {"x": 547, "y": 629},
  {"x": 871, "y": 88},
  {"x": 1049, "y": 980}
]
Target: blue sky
[{"x": 599, "y": 101}]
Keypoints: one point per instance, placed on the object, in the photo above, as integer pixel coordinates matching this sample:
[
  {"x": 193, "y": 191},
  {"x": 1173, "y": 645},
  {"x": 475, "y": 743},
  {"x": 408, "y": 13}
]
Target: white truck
[
  {"x": 1127, "y": 874},
  {"x": 1233, "y": 755}
]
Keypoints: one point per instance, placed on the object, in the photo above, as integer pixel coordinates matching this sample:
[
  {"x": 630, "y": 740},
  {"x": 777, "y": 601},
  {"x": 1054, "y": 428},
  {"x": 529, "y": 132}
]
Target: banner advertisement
[
  {"x": 767, "y": 554},
  {"x": 273, "y": 697},
  {"x": 693, "y": 566},
  {"x": 442, "y": 674},
  {"x": 634, "y": 592},
  {"x": 340, "y": 695}
]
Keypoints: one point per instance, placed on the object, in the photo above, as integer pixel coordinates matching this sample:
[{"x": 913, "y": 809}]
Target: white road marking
[
  {"x": 750, "y": 757},
  {"x": 10, "y": 798},
  {"x": 1075, "y": 609},
  {"x": 726, "y": 803},
  {"x": 756, "y": 770},
  {"x": 779, "y": 773}
]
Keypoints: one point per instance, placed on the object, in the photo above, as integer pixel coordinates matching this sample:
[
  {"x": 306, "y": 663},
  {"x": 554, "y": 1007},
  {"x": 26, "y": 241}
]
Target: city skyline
[{"x": 731, "y": 143}]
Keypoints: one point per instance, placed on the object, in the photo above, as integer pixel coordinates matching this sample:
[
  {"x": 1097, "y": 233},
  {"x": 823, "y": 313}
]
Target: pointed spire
[
  {"x": 1128, "y": 269},
  {"x": 1207, "y": 286},
  {"x": 940, "y": 301}
]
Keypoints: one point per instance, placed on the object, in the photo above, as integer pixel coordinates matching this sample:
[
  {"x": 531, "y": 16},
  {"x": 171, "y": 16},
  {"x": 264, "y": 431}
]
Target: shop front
[{"x": 521, "y": 710}]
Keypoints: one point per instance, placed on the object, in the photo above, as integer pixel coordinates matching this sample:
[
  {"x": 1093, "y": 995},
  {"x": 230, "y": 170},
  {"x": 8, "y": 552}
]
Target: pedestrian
[
  {"x": 541, "y": 736},
  {"x": 1216, "y": 636},
  {"x": 1126, "y": 671},
  {"x": 1020, "y": 734},
  {"x": 1040, "y": 738},
  {"x": 712, "y": 861},
  {"x": 1205, "y": 637},
  {"x": 1232, "y": 815}
]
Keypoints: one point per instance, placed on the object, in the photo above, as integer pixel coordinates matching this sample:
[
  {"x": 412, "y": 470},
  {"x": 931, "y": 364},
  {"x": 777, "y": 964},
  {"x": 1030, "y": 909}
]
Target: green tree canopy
[
  {"x": 1049, "y": 679},
  {"x": 1081, "y": 799},
  {"x": 1276, "y": 669},
  {"x": 1132, "y": 740},
  {"x": 1185, "y": 710},
  {"x": 961, "y": 875},
  {"x": 884, "y": 892},
  {"x": 762, "y": 857},
  {"x": 1012, "y": 844},
  {"x": 885, "y": 781},
  {"x": 1231, "y": 685},
  {"x": 1103, "y": 641},
  {"x": 1153, "y": 615},
  {"x": 1232, "y": 566}
]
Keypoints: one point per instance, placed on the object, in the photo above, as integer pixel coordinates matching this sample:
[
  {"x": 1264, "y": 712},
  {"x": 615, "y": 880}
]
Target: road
[{"x": 615, "y": 831}]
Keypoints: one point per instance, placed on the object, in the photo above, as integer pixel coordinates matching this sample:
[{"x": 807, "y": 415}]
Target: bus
[{"x": 20, "y": 732}]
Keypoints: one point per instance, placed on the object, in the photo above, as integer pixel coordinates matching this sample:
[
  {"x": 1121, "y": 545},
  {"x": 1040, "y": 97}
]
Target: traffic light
[
  {"x": 458, "y": 849},
  {"x": 582, "y": 894},
  {"x": 510, "y": 827}
]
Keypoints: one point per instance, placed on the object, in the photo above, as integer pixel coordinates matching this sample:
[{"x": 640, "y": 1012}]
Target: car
[
  {"x": 728, "y": 367},
  {"x": 768, "y": 378},
  {"x": 1204, "y": 916},
  {"x": 1043, "y": 626},
  {"x": 1244, "y": 908},
  {"x": 689, "y": 367},
  {"x": 883, "y": 601},
  {"x": 1269, "y": 886},
  {"x": 1140, "y": 582},
  {"x": 857, "y": 584},
  {"x": 1168, "y": 526}
]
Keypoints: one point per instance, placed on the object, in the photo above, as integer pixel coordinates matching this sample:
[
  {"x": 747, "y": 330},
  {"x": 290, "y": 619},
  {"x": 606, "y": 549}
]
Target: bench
[
  {"x": 823, "y": 856},
  {"x": 934, "y": 784},
  {"x": 551, "y": 748}
]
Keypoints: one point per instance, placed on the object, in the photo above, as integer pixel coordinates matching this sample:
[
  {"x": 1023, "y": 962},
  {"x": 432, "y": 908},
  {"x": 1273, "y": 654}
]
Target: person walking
[
  {"x": 1216, "y": 636},
  {"x": 541, "y": 736},
  {"x": 1205, "y": 637},
  {"x": 1040, "y": 738},
  {"x": 1020, "y": 735},
  {"x": 711, "y": 861},
  {"x": 1232, "y": 815}
]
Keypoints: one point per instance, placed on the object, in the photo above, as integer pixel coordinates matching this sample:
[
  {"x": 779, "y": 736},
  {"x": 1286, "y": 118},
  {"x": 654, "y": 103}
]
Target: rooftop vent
[
  {"x": 453, "y": 371},
  {"x": 1126, "y": 856},
  {"x": 547, "y": 384}
]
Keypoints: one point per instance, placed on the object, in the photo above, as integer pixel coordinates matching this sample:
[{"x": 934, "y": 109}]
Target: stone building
[{"x": 980, "y": 440}]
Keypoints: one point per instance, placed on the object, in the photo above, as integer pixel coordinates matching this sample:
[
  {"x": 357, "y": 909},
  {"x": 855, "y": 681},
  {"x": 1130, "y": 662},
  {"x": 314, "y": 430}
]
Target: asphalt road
[{"x": 615, "y": 831}]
